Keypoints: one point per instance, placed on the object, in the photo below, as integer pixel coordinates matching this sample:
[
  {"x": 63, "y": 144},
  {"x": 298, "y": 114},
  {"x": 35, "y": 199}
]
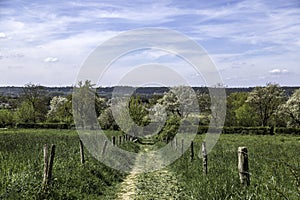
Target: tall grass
[
  {"x": 21, "y": 166},
  {"x": 274, "y": 167}
]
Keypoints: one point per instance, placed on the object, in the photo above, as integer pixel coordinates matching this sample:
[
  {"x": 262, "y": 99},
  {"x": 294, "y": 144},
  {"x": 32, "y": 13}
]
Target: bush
[{"x": 6, "y": 118}]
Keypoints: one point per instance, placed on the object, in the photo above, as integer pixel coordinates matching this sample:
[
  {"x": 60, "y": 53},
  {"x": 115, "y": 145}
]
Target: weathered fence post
[
  {"x": 182, "y": 146},
  {"x": 243, "y": 165},
  {"x": 81, "y": 152},
  {"x": 48, "y": 163},
  {"x": 45, "y": 164},
  {"x": 204, "y": 158},
  {"x": 120, "y": 139},
  {"x": 51, "y": 161},
  {"x": 114, "y": 140},
  {"x": 104, "y": 148},
  {"x": 175, "y": 141},
  {"x": 192, "y": 150}
]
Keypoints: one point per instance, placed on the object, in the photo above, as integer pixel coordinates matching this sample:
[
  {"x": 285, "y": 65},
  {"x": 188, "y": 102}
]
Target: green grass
[
  {"x": 274, "y": 164},
  {"x": 273, "y": 160},
  {"x": 21, "y": 166}
]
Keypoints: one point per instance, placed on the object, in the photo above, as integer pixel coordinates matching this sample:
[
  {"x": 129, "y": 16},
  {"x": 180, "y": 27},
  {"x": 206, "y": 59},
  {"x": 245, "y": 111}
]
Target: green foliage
[
  {"x": 83, "y": 99},
  {"x": 106, "y": 120},
  {"x": 25, "y": 113},
  {"x": 137, "y": 111},
  {"x": 245, "y": 116},
  {"x": 6, "y": 118},
  {"x": 35, "y": 101},
  {"x": 170, "y": 129}
]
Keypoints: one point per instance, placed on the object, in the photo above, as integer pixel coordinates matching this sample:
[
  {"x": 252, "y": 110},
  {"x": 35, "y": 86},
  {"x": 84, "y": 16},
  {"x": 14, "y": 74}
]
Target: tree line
[{"x": 263, "y": 106}]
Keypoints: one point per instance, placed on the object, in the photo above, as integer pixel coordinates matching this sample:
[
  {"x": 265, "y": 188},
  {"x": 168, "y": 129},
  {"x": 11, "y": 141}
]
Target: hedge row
[
  {"x": 251, "y": 130},
  {"x": 45, "y": 125},
  {"x": 201, "y": 129}
]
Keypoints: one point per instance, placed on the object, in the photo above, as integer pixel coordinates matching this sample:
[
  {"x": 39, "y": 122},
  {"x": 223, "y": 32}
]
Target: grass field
[
  {"x": 274, "y": 167},
  {"x": 21, "y": 165}
]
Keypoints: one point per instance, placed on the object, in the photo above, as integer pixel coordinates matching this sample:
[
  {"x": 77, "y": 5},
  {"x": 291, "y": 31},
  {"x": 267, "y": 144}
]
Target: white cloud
[
  {"x": 278, "y": 71},
  {"x": 51, "y": 59},
  {"x": 2, "y": 35}
]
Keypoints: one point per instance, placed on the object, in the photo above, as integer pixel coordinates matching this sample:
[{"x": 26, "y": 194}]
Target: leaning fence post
[
  {"x": 104, "y": 148},
  {"x": 243, "y": 165},
  {"x": 81, "y": 152},
  {"x": 204, "y": 158},
  {"x": 192, "y": 150}
]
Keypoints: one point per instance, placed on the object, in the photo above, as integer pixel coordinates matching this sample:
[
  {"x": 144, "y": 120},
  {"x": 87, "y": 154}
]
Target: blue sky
[{"x": 251, "y": 42}]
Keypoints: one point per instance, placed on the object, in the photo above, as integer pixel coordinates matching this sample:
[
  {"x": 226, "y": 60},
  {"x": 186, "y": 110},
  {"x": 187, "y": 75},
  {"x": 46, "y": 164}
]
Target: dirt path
[{"x": 161, "y": 184}]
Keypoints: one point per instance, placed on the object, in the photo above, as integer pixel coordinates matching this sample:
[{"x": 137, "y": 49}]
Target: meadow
[{"x": 273, "y": 160}]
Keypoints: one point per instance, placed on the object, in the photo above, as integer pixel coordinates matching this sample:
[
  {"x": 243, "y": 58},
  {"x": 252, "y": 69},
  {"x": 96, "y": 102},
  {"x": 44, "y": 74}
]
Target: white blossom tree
[{"x": 291, "y": 110}]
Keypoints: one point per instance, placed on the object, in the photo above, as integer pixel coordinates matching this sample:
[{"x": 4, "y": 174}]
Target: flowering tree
[{"x": 291, "y": 110}]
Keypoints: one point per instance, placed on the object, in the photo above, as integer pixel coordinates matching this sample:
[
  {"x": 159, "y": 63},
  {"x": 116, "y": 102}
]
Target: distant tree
[
  {"x": 106, "y": 119},
  {"x": 25, "y": 113},
  {"x": 179, "y": 101},
  {"x": 60, "y": 109},
  {"x": 84, "y": 101},
  {"x": 246, "y": 116},
  {"x": 239, "y": 112},
  {"x": 35, "y": 99},
  {"x": 291, "y": 110},
  {"x": 137, "y": 111},
  {"x": 265, "y": 101},
  {"x": 6, "y": 118}
]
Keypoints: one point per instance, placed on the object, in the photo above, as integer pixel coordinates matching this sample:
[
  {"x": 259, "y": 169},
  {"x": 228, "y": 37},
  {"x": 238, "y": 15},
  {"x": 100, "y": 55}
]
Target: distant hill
[{"x": 143, "y": 91}]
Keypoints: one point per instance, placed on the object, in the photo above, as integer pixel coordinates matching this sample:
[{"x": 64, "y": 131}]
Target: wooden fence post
[
  {"x": 104, "y": 148},
  {"x": 175, "y": 141},
  {"x": 182, "y": 146},
  {"x": 120, "y": 140},
  {"x": 114, "y": 140},
  {"x": 51, "y": 161},
  {"x": 45, "y": 164},
  {"x": 204, "y": 158},
  {"x": 243, "y": 165},
  {"x": 81, "y": 152},
  {"x": 192, "y": 150},
  {"x": 48, "y": 163}
]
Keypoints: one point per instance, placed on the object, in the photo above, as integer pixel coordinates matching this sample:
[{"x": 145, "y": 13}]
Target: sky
[{"x": 251, "y": 42}]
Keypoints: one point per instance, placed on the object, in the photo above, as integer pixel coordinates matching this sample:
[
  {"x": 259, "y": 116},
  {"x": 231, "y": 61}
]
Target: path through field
[{"x": 161, "y": 184}]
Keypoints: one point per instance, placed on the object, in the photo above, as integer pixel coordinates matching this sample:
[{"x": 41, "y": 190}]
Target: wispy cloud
[
  {"x": 51, "y": 59},
  {"x": 2, "y": 35},
  {"x": 243, "y": 37},
  {"x": 278, "y": 71}
]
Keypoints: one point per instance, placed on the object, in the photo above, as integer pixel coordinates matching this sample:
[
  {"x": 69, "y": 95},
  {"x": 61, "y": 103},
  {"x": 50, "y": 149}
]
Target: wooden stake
[
  {"x": 120, "y": 140},
  {"x": 51, "y": 161},
  {"x": 182, "y": 146},
  {"x": 114, "y": 140},
  {"x": 81, "y": 152},
  {"x": 45, "y": 164},
  {"x": 243, "y": 165},
  {"x": 104, "y": 148},
  {"x": 204, "y": 158},
  {"x": 192, "y": 150}
]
